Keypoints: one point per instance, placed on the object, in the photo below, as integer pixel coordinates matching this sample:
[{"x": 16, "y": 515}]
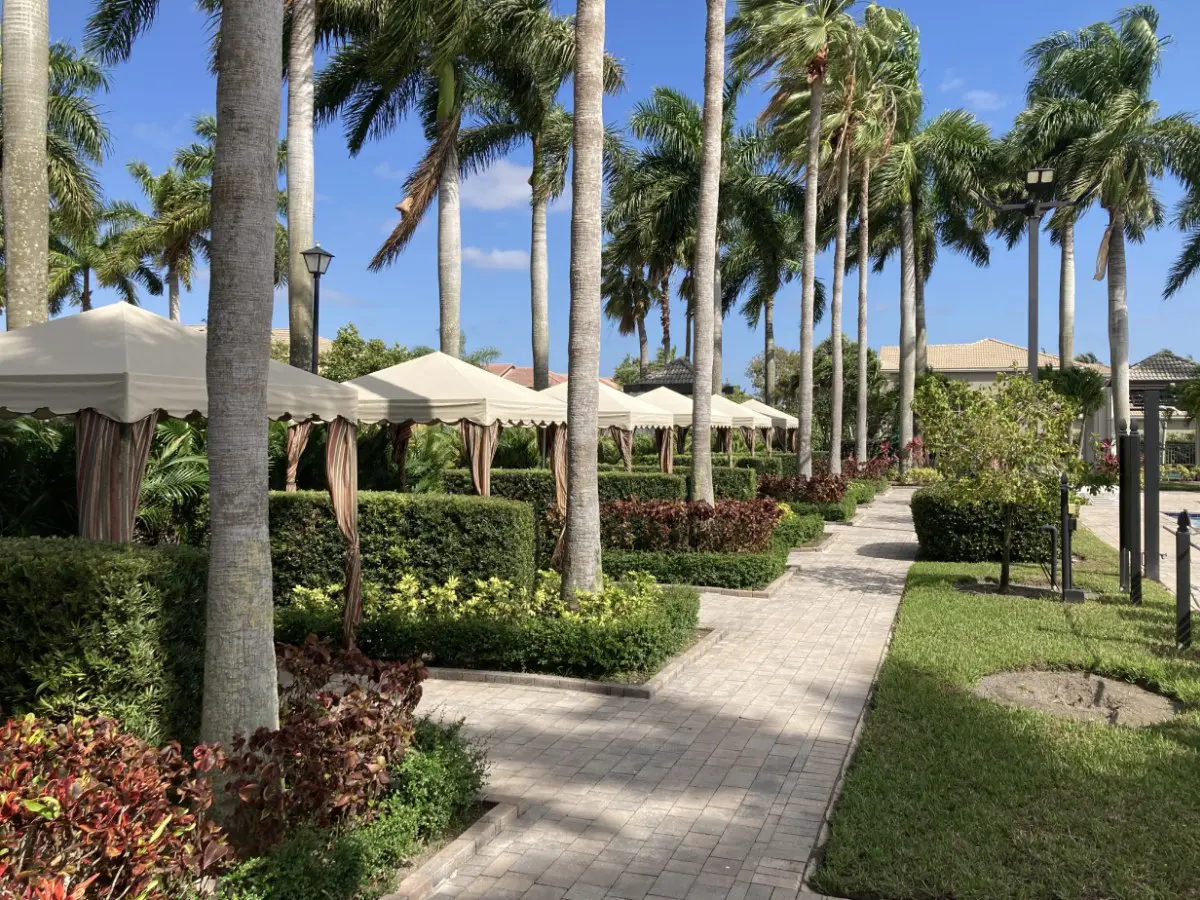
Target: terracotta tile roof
[
  {"x": 987, "y": 355},
  {"x": 523, "y": 375},
  {"x": 1164, "y": 366},
  {"x": 278, "y": 336}
]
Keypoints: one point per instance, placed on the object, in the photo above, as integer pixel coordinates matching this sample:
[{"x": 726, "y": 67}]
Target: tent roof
[
  {"x": 681, "y": 407},
  {"x": 620, "y": 410},
  {"x": 779, "y": 419},
  {"x": 439, "y": 388},
  {"x": 125, "y": 363},
  {"x": 742, "y": 416}
]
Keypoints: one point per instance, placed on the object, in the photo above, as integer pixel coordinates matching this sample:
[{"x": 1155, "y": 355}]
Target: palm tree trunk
[
  {"x": 769, "y": 351},
  {"x": 687, "y": 334},
  {"x": 539, "y": 285},
  {"x": 25, "y": 37},
  {"x": 835, "y": 312},
  {"x": 85, "y": 296},
  {"x": 300, "y": 180},
  {"x": 1118, "y": 319},
  {"x": 173, "y": 310},
  {"x": 1066, "y": 298},
  {"x": 908, "y": 331},
  {"x": 240, "y": 681},
  {"x": 643, "y": 346},
  {"x": 861, "y": 449},
  {"x": 664, "y": 305},
  {"x": 707, "y": 364},
  {"x": 718, "y": 327},
  {"x": 922, "y": 339},
  {"x": 449, "y": 224},
  {"x": 581, "y": 564},
  {"x": 812, "y": 181}
]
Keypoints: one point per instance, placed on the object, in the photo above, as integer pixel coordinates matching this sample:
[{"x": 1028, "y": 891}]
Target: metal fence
[{"x": 1178, "y": 453}]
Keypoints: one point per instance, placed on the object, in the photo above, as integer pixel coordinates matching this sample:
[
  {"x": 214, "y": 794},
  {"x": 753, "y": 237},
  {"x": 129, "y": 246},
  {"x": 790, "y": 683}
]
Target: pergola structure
[
  {"x": 781, "y": 422},
  {"x": 440, "y": 389},
  {"x": 117, "y": 370},
  {"x": 680, "y": 408},
  {"x": 621, "y": 414}
]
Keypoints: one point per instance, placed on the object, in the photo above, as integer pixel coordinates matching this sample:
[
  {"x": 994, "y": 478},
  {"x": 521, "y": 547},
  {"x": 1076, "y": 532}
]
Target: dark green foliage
[
  {"x": 91, "y": 629},
  {"x": 862, "y": 491},
  {"x": 796, "y": 531},
  {"x": 37, "y": 478},
  {"x": 728, "y": 484},
  {"x": 574, "y": 647},
  {"x": 727, "y": 570},
  {"x": 953, "y": 528},
  {"x": 439, "y": 780},
  {"x": 831, "y": 512},
  {"x": 517, "y": 449},
  {"x": 779, "y": 464},
  {"x": 432, "y": 536}
]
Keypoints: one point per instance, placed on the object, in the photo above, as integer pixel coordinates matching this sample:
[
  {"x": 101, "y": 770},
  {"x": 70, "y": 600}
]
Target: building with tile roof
[
  {"x": 676, "y": 375},
  {"x": 279, "y": 336},
  {"x": 523, "y": 375},
  {"x": 978, "y": 362}
]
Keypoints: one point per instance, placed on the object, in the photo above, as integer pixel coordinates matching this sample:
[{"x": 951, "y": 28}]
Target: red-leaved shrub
[
  {"x": 345, "y": 722},
  {"x": 89, "y": 811},
  {"x": 732, "y": 526},
  {"x": 798, "y": 489}
]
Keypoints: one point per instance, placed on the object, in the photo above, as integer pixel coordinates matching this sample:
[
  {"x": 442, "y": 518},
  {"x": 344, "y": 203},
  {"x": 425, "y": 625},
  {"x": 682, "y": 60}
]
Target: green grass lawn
[{"x": 951, "y": 796}]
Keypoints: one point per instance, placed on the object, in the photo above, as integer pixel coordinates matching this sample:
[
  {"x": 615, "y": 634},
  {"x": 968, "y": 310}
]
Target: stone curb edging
[
  {"x": 444, "y": 865},
  {"x": 765, "y": 593},
  {"x": 817, "y": 546},
  {"x": 560, "y": 682}
]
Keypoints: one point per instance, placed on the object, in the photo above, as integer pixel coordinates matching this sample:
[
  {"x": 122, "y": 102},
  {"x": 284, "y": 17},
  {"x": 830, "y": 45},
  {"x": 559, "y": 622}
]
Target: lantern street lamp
[
  {"x": 1039, "y": 189},
  {"x": 316, "y": 260}
]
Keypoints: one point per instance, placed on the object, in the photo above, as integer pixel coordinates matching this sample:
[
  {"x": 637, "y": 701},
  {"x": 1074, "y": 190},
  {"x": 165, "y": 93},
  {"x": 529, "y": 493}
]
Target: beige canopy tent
[
  {"x": 745, "y": 419},
  {"x": 116, "y": 369},
  {"x": 621, "y": 413},
  {"x": 782, "y": 423},
  {"x": 437, "y": 388},
  {"x": 680, "y": 407}
]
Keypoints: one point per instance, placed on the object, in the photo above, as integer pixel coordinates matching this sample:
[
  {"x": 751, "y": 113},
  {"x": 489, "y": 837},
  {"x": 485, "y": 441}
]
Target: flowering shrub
[
  {"x": 344, "y": 725},
  {"x": 922, "y": 476},
  {"x": 731, "y": 526},
  {"x": 874, "y": 469},
  {"x": 798, "y": 489},
  {"x": 87, "y": 810}
]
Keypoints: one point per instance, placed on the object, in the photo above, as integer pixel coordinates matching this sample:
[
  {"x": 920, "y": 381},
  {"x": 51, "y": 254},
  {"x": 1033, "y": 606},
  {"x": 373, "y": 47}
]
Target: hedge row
[
  {"x": 573, "y": 647},
  {"x": 431, "y": 536},
  {"x": 90, "y": 629},
  {"x": 953, "y": 527},
  {"x": 831, "y": 512},
  {"x": 864, "y": 490}
]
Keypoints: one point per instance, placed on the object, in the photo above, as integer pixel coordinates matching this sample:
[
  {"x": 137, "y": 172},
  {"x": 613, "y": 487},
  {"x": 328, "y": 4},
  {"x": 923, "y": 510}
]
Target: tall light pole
[{"x": 316, "y": 260}]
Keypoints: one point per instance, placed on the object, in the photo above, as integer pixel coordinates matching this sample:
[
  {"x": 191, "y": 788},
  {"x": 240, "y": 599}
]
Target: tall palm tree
[
  {"x": 581, "y": 567},
  {"x": 795, "y": 36},
  {"x": 24, "y": 86},
  {"x": 628, "y": 298},
  {"x": 705, "y": 273},
  {"x": 1099, "y": 80},
  {"x": 301, "y": 184},
  {"x": 241, "y": 683},
  {"x": 95, "y": 253}
]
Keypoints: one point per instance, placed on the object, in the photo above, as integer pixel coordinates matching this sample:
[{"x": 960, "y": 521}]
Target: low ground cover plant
[{"x": 729, "y": 526}]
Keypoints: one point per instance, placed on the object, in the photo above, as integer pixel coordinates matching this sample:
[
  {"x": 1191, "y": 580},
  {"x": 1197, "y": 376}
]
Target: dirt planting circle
[{"x": 1079, "y": 695}]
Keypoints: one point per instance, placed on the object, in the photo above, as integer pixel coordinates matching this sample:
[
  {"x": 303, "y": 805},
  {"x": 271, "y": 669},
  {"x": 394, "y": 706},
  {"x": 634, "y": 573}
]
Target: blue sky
[{"x": 971, "y": 57}]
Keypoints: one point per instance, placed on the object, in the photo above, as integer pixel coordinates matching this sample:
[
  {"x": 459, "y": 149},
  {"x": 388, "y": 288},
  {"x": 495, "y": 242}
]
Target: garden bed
[{"x": 953, "y": 795}]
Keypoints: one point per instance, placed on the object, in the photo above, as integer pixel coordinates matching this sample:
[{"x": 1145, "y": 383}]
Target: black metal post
[
  {"x": 1183, "y": 582},
  {"x": 1134, "y": 455},
  {"x": 1153, "y": 526},
  {"x": 1064, "y": 507},
  {"x": 1034, "y": 223},
  {"x": 1123, "y": 507},
  {"x": 316, "y": 337}
]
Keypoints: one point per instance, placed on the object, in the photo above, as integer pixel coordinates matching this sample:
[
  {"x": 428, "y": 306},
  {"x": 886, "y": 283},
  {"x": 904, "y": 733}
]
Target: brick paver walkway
[{"x": 718, "y": 785}]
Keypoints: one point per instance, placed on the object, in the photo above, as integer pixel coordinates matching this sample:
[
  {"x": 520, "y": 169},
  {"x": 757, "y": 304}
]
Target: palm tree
[
  {"x": 301, "y": 185},
  {"x": 628, "y": 298},
  {"x": 84, "y": 255},
  {"x": 241, "y": 682},
  {"x": 795, "y": 36},
  {"x": 705, "y": 271},
  {"x": 1096, "y": 96},
  {"x": 581, "y": 566}
]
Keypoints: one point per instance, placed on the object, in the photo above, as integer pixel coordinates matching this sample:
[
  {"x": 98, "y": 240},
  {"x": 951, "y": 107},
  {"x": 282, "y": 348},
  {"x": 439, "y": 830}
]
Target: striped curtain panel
[
  {"x": 401, "y": 434},
  {"x": 297, "y": 440},
  {"x": 341, "y": 471},
  {"x": 665, "y": 438},
  {"x": 769, "y": 438},
  {"x": 623, "y": 438},
  {"x": 748, "y": 435},
  {"x": 110, "y": 463},
  {"x": 479, "y": 443},
  {"x": 557, "y": 437}
]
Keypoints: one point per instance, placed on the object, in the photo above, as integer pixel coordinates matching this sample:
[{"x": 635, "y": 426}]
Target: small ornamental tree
[{"x": 1007, "y": 445}]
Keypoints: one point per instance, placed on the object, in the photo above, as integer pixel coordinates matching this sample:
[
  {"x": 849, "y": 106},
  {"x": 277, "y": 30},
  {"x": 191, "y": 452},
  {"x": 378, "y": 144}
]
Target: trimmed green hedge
[
  {"x": 972, "y": 530},
  {"x": 864, "y": 490},
  {"x": 830, "y": 512},
  {"x": 89, "y": 628},
  {"x": 432, "y": 536},
  {"x": 572, "y": 647},
  {"x": 727, "y": 570},
  {"x": 728, "y": 484},
  {"x": 779, "y": 464},
  {"x": 797, "y": 531}
]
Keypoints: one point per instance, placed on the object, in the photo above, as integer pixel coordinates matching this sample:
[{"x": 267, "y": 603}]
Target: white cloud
[
  {"x": 385, "y": 170},
  {"x": 983, "y": 100},
  {"x": 495, "y": 259},
  {"x": 951, "y": 81},
  {"x": 504, "y": 185}
]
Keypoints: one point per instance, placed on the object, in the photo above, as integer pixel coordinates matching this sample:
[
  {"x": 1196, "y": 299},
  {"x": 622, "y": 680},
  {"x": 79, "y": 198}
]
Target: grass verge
[{"x": 950, "y": 795}]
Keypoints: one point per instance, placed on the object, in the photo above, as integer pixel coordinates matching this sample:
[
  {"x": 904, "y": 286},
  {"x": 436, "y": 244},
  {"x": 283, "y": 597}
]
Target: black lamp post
[
  {"x": 316, "y": 260},
  {"x": 1039, "y": 188}
]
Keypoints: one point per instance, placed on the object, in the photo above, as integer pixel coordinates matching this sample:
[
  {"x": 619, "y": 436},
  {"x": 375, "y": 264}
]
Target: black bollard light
[
  {"x": 1123, "y": 506},
  {"x": 1183, "y": 582},
  {"x": 1134, "y": 457}
]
